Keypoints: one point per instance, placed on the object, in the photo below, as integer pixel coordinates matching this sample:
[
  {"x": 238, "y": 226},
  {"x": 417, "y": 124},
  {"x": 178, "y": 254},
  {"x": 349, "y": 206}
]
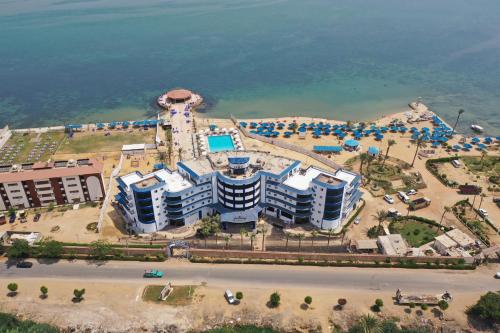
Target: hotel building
[
  {"x": 241, "y": 187},
  {"x": 41, "y": 184}
]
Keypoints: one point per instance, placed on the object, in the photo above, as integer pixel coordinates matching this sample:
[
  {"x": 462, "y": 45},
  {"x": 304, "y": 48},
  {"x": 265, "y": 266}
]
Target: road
[{"x": 349, "y": 278}]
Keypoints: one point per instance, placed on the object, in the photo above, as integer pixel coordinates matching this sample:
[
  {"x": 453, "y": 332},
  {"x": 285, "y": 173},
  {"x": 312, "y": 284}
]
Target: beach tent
[
  {"x": 212, "y": 127},
  {"x": 379, "y": 137},
  {"x": 373, "y": 151},
  {"x": 481, "y": 146},
  {"x": 351, "y": 144},
  {"x": 287, "y": 134}
]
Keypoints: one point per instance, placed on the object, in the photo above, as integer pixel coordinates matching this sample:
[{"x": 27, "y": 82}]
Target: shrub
[
  {"x": 342, "y": 301},
  {"x": 239, "y": 295},
  {"x": 275, "y": 299},
  {"x": 308, "y": 300},
  {"x": 44, "y": 290},
  {"x": 487, "y": 308},
  {"x": 12, "y": 287},
  {"x": 424, "y": 307},
  {"x": 412, "y": 305},
  {"x": 20, "y": 249},
  {"x": 375, "y": 308},
  {"x": 443, "y": 305},
  {"x": 379, "y": 302},
  {"x": 50, "y": 249},
  {"x": 78, "y": 293}
]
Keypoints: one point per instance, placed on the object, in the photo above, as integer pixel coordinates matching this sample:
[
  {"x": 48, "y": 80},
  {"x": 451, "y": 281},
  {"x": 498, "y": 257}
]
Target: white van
[
  {"x": 229, "y": 296},
  {"x": 456, "y": 163},
  {"x": 403, "y": 197}
]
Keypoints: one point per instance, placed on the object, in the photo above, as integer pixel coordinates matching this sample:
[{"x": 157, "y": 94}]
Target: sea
[{"x": 71, "y": 61}]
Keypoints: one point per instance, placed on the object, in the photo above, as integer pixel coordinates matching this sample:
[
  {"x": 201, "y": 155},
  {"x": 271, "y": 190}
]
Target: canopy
[
  {"x": 327, "y": 149},
  {"x": 373, "y": 150},
  {"x": 352, "y": 143}
]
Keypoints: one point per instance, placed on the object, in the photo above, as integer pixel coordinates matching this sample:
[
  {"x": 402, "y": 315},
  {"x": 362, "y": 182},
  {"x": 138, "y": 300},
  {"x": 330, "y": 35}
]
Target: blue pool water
[{"x": 218, "y": 143}]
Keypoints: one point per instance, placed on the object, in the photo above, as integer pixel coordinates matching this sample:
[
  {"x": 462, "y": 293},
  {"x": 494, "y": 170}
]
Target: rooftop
[
  {"x": 393, "y": 244},
  {"x": 179, "y": 94},
  {"x": 257, "y": 161},
  {"x": 446, "y": 241},
  {"x": 174, "y": 181},
  {"x": 460, "y": 237},
  {"x": 39, "y": 171}
]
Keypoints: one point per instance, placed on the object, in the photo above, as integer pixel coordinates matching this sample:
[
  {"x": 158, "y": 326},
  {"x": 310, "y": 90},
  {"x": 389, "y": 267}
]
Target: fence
[
  {"x": 308, "y": 256},
  {"x": 285, "y": 145}
]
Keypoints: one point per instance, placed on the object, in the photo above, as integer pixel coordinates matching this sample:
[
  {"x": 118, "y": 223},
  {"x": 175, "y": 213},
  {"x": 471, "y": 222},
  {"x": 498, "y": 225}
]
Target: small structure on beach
[{"x": 178, "y": 95}]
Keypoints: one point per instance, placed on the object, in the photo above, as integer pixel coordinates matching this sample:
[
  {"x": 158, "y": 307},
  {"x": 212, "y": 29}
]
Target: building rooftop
[
  {"x": 257, "y": 161},
  {"x": 393, "y": 244},
  {"x": 446, "y": 241},
  {"x": 39, "y": 171},
  {"x": 460, "y": 237},
  {"x": 302, "y": 180},
  {"x": 366, "y": 244},
  {"x": 174, "y": 181}
]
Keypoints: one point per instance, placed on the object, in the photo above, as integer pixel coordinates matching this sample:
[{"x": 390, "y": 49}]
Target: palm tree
[
  {"x": 446, "y": 210},
  {"x": 205, "y": 231},
  {"x": 363, "y": 157},
  {"x": 300, "y": 237},
  {"x": 252, "y": 239},
  {"x": 390, "y": 143},
  {"x": 287, "y": 235},
  {"x": 263, "y": 229},
  {"x": 179, "y": 152},
  {"x": 482, "y": 195},
  {"x": 369, "y": 324},
  {"x": 314, "y": 233},
  {"x": 226, "y": 240},
  {"x": 380, "y": 216},
  {"x": 330, "y": 234},
  {"x": 419, "y": 143},
  {"x": 293, "y": 127},
  {"x": 484, "y": 153},
  {"x": 243, "y": 233},
  {"x": 458, "y": 117}
]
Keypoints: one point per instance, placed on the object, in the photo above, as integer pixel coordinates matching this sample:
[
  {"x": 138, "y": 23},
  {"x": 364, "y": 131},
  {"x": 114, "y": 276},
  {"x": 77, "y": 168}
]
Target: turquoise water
[
  {"x": 83, "y": 60},
  {"x": 217, "y": 143}
]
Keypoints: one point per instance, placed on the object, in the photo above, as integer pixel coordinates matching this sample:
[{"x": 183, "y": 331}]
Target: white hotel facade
[{"x": 241, "y": 187}]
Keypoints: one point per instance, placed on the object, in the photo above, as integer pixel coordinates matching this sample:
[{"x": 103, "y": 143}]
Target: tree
[
  {"x": 390, "y": 143},
  {"x": 482, "y": 195},
  {"x": 226, "y": 241},
  {"x": 363, "y": 157},
  {"x": 380, "y": 216},
  {"x": 314, "y": 233},
  {"x": 50, "y": 249},
  {"x": 341, "y": 302},
  {"x": 308, "y": 300},
  {"x": 446, "y": 210},
  {"x": 369, "y": 324},
  {"x": 484, "y": 153},
  {"x": 331, "y": 232},
  {"x": 243, "y": 233},
  {"x": 300, "y": 237},
  {"x": 287, "y": 235},
  {"x": 44, "y": 290},
  {"x": 264, "y": 230},
  {"x": 78, "y": 293},
  {"x": 443, "y": 305},
  {"x": 252, "y": 239},
  {"x": 239, "y": 295},
  {"x": 20, "y": 249},
  {"x": 419, "y": 143},
  {"x": 458, "y": 117},
  {"x": 205, "y": 231},
  {"x": 379, "y": 302},
  {"x": 275, "y": 299},
  {"x": 100, "y": 249},
  {"x": 12, "y": 211},
  {"x": 487, "y": 308},
  {"x": 424, "y": 307},
  {"x": 179, "y": 152},
  {"x": 12, "y": 288}
]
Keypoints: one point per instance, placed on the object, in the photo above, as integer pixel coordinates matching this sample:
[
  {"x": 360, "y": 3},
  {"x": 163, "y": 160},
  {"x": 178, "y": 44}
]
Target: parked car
[
  {"x": 496, "y": 200},
  {"x": 37, "y": 217},
  {"x": 411, "y": 192},
  {"x": 393, "y": 212},
  {"x": 403, "y": 197},
  {"x": 24, "y": 264},
  {"x": 497, "y": 275},
  {"x": 229, "y": 297},
  {"x": 357, "y": 220},
  {"x": 389, "y": 199},
  {"x": 153, "y": 273},
  {"x": 483, "y": 212},
  {"x": 12, "y": 218}
]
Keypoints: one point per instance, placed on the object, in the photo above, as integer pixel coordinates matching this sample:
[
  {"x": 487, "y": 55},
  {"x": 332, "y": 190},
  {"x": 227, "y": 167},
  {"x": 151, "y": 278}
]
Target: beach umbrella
[
  {"x": 481, "y": 146},
  {"x": 456, "y": 147},
  {"x": 243, "y": 124},
  {"x": 373, "y": 150},
  {"x": 379, "y": 137},
  {"x": 475, "y": 140},
  {"x": 351, "y": 143},
  {"x": 384, "y": 129},
  {"x": 467, "y": 145},
  {"x": 302, "y": 129}
]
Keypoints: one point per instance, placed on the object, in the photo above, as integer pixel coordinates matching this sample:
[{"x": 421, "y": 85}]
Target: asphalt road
[{"x": 268, "y": 276}]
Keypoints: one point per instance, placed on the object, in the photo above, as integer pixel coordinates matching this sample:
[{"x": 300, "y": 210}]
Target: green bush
[
  {"x": 239, "y": 295},
  {"x": 443, "y": 305},
  {"x": 308, "y": 300},
  {"x": 487, "y": 308},
  {"x": 274, "y": 299},
  {"x": 10, "y": 324},
  {"x": 379, "y": 302},
  {"x": 424, "y": 307}
]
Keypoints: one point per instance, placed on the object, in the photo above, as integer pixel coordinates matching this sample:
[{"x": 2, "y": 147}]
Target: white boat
[{"x": 477, "y": 128}]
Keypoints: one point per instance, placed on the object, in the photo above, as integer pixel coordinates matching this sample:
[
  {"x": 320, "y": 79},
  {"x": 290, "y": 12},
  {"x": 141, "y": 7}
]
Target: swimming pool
[{"x": 218, "y": 143}]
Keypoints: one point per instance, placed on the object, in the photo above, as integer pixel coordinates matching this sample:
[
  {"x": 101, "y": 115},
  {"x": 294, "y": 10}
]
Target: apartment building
[{"x": 43, "y": 183}]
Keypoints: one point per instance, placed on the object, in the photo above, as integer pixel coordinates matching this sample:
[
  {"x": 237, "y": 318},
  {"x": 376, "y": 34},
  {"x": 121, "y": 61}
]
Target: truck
[
  {"x": 405, "y": 299},
  {"x": 153, "y": 273}
]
